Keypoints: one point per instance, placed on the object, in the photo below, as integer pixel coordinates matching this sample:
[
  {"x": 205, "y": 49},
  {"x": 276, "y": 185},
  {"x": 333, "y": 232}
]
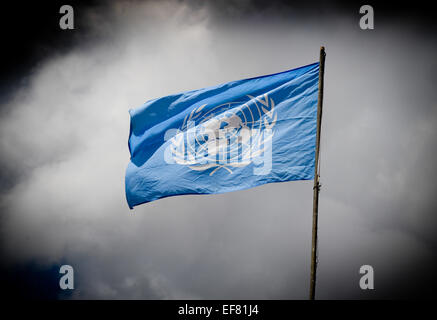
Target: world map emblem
[{"x": 228, "y": 136}]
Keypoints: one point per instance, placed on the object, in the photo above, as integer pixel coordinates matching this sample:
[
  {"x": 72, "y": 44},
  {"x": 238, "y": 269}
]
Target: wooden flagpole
[{"x": 316, "y": 187}]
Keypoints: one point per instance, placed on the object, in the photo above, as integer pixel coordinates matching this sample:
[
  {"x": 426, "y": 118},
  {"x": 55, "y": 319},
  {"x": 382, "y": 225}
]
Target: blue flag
[{"x": 229, "y": 137}]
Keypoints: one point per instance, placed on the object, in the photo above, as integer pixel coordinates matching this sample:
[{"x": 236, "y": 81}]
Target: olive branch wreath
[{"x": 187, "y": 157}]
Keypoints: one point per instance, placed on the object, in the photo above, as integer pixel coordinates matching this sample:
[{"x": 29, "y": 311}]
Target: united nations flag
[{"x": 224, "y": 138}]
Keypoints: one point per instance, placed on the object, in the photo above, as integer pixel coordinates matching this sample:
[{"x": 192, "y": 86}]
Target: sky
[{"x": 64, "y": 126}]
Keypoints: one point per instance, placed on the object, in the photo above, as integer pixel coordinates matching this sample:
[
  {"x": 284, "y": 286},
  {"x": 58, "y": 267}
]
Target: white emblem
[{"x": 230, "y": 135}]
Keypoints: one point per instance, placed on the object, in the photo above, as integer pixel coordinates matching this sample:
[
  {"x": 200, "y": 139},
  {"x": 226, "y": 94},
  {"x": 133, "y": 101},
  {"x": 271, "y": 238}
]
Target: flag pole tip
[{"x": 322, "y": 51}]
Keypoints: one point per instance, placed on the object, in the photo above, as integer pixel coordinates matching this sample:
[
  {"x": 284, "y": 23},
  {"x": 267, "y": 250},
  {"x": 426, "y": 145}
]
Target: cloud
[{"x": 63, "y": 142}]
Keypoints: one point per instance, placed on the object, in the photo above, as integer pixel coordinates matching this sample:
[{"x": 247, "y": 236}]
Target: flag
[{"x": 224, "y": 138}]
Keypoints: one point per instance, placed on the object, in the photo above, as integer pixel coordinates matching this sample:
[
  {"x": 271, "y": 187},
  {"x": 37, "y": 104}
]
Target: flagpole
[{"x": 316, "y": 188}]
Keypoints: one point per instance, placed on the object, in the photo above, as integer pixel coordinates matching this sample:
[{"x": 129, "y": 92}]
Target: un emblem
[{"x": 227, "y": 136}]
